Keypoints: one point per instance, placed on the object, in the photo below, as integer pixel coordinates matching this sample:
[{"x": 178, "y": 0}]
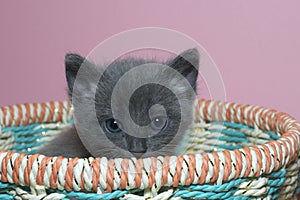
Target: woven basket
[{"x": 237, "y": 152}]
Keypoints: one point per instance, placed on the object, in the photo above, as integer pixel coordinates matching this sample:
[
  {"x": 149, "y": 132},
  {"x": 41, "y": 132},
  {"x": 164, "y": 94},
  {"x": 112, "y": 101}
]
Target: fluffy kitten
[{"x": 162, "y": 109}]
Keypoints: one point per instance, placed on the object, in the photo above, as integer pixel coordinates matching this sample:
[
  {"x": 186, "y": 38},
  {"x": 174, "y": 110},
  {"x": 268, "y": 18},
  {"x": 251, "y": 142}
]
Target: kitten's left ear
[
  {"x": 187, "y": 63},
  {"x": 73, "y": 63}
]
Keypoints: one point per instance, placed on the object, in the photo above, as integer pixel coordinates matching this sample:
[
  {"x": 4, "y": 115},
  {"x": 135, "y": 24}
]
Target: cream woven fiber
[{"x": 239, "y": 151}]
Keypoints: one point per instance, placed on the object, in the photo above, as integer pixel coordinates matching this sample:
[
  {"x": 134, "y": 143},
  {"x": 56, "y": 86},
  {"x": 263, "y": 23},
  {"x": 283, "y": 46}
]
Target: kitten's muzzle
[{"x": 136, "y": 146}]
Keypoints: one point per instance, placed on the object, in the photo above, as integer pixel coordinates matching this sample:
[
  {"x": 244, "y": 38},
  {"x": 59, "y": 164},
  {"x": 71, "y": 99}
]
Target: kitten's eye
[
  {"x": 159, "y": 123},
  {"x": 112, "y": 126}
]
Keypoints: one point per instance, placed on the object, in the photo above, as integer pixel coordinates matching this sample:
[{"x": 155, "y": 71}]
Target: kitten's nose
[{"x": 136, "y": 146}]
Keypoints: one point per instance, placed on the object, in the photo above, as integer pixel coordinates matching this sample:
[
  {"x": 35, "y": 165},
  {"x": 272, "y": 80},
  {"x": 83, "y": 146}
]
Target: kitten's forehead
[
  {"x": 138, "y": 85},
  {"x": 131, "y": 73},
  {"x": 112, "y": 75},
  {"x": 117, "y": 69},
  {"x": 124, "y": 75}
]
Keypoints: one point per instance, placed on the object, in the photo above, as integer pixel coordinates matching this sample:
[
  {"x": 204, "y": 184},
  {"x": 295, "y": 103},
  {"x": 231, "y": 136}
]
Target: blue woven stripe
[
  {"x": 278, "y": 174},
  {"x": 272, "y": 135},
  {"x": 20, "y": 128},
  {"x": 90, "y": 196},
  {"x": 4, "y": 185},
  {"x": 27, "y": 139},
  {"x": 229, "y": 132},
  {"x": 204, "y": 195},
  {"x": 6, "y": 197},
  {"x": 226, "y": 190},
  {"x": 30, "y": 132},
  {"x": 4, "y": 188},
  {"x": 24, "y": 147}
]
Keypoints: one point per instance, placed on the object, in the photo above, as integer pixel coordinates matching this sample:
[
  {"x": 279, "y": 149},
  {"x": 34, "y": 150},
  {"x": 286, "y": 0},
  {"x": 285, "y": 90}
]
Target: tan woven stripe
[
  {"x": 262, "y": 118},
  {"x": 205, "y": 110},
  {"x": 204, "y": 168},
  {"x": 249, "y": 162},
  {"x": 35, "y": 114},
  {"x": 235, "y": 107},
  {"x": 249, "y": 120},
  {"x": 238, "y": 163},
  {"x": 275, "y": 155},
  {"x": 12, "y": 115},
  {"x": 227, "y": 167},
  {"x": 42, "y": 170},
  {"x": 296, "y": 143},
  {"x": 41, "y": 115},
  {"x": 216, "y": 167},
  {"x": 24, "y": 118},
  {"x": 242, "y": 115},
  {"x": 223, "y": 115},
  {"x": 213, "y": 112},
  {"x": 281, "y": 155},
  {"x": 259, "y": 161},
  {"x": 138, "y": 173},
  {"x": 70, "y": 174},
  {"x": 95, "y": 167},
  {"x": 165, "y": 170},
  {"x": 27, "y": 114},
  {"x": 28, "y": 168},
  {"x": 293, "y": 151},
  {"x": 5, "y": 161},
  {"x": 177, "y": 175},
  {"x": 17, "y": 164},
  {"x": 20, "y": 115},
  {"x": 191, "y": 169},
  {"x": 228, "y": 112},
  {"x": 254, "y": 112},
  {"x": 51, "y": 111},
  {"x": 110, "y": 175},
  {"x": 55, "y": 169},
  {"x": 3, "y": 109},
  {"x": 152, "y": 172},
  {"x": 124, "y": 175},
  {"x": 268, "y": 158}
]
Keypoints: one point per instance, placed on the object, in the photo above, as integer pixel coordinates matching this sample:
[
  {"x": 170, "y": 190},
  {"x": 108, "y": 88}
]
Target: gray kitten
[{"x": 131, "y": 118}]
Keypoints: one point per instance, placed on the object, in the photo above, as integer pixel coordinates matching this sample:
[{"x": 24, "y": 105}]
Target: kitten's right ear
[
  {"x": 187, "y": 63},
  {"x": 72, "y": 65}
]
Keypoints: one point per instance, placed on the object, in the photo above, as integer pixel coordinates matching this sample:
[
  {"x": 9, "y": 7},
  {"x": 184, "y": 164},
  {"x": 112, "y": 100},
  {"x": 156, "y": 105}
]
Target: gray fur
[{"x": 92, "y": 143}]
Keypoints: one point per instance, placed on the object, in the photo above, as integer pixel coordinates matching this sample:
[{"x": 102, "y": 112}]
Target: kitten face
[{"x": 136, "y": 119}]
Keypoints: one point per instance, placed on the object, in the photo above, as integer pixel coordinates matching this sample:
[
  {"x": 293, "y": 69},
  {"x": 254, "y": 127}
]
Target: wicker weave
[{"x": 233, "y": 152}]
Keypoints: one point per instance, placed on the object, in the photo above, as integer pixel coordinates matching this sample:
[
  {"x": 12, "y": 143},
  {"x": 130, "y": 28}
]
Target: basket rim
[{"x": 92, "y": 174}]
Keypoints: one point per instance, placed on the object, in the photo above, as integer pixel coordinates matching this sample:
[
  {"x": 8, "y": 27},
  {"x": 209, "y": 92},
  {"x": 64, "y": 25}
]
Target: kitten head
[{"x": 142, "y": 107}]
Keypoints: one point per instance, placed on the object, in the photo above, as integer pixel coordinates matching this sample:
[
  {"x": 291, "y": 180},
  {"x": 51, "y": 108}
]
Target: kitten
[{"x": 162, "y": 109}]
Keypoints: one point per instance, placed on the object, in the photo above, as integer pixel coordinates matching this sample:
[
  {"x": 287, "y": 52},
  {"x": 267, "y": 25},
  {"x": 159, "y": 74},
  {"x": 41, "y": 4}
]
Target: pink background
[{"x": 255, "y": 44}]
